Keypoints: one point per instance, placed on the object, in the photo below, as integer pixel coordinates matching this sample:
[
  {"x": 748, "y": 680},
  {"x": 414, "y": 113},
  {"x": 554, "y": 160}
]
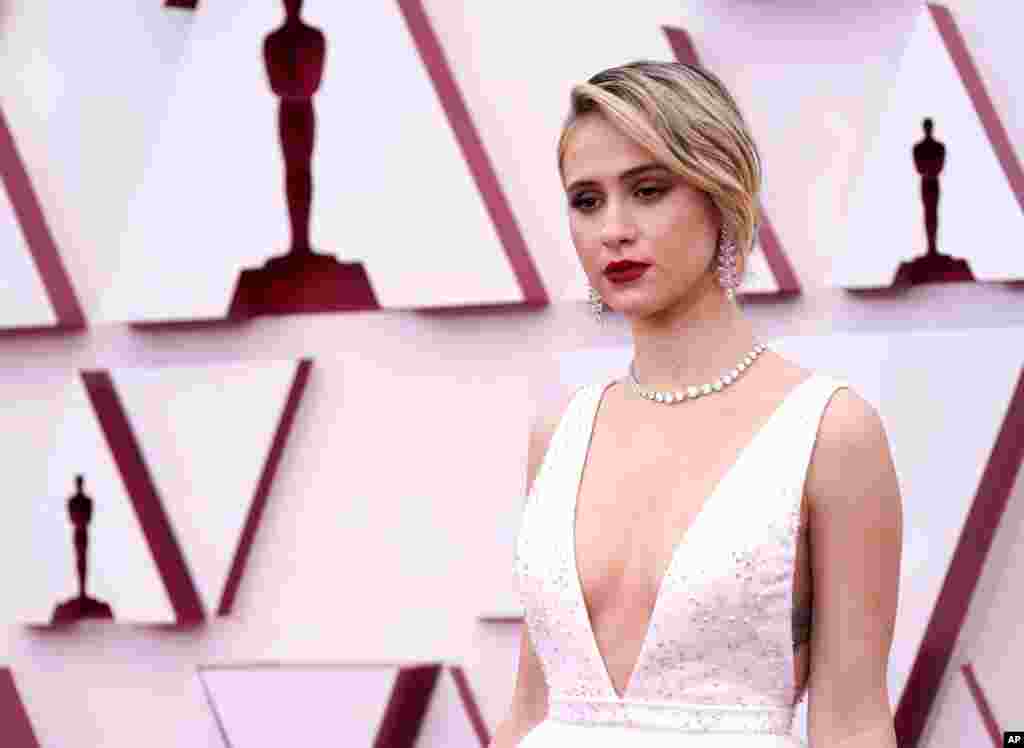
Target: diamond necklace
[{"x": 694, "y": 391}]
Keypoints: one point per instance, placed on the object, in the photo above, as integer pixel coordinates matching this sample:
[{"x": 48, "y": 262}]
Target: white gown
[{"x": 716, "y": 667}]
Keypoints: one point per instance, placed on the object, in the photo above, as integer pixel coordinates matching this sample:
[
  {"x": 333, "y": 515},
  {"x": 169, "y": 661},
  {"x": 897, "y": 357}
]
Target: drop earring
[
  {"x": 728, "y": 276},
  {"x": 596, "y": 304}
]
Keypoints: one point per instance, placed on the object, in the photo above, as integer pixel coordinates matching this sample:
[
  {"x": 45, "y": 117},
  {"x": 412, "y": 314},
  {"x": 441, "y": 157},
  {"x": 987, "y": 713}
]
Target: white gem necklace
[{"x": 694, "y": 391}]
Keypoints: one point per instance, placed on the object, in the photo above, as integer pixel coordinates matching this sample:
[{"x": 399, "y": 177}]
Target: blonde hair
[{"x": 687, "y": 118}]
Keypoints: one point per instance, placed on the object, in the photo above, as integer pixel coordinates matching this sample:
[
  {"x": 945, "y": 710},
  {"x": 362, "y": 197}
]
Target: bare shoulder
[
  {"x": 850, "y": 422},
  {"x": 852, "y": 447}
]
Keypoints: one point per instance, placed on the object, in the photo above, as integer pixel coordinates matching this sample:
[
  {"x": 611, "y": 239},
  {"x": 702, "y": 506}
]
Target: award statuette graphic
[
  {"x": 300, "y": 280},
  {"x": 931, "y": 267},
  {"x": 79, "y": 608}
]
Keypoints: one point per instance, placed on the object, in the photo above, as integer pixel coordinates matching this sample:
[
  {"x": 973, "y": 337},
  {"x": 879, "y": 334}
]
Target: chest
[
  {"x": 642, "y": 491},
  {"x": 661, "y": 559}
]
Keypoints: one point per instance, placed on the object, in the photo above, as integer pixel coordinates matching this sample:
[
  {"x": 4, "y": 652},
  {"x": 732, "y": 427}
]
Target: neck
[{"x": 692, "y": 342}]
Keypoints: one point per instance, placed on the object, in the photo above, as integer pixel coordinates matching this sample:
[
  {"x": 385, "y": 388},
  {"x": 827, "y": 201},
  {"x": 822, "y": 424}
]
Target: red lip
[{"x": 617, "y": 265}]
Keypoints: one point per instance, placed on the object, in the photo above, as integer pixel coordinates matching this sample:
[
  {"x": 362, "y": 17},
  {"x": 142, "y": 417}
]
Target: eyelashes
[{"x": 651, "y": 193}]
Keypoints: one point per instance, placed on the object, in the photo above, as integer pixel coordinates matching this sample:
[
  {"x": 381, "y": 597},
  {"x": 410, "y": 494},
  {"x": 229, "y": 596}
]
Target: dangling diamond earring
[
  {"x": 728, "y": 276},
  {"x": 596, "y": 304}
]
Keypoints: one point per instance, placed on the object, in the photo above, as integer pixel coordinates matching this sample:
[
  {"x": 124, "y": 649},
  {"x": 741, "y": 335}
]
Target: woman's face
[{"x": 617, "y": 211}]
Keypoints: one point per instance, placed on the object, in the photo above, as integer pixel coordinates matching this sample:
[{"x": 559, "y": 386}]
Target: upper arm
[
  {"x": 530, "y": 701},
  {"x": 856, "y": 529}
]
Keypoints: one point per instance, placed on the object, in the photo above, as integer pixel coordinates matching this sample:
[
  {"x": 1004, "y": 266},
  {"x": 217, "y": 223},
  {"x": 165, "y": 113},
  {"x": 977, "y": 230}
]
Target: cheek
[
  {"x": 687, "y": 223},
  {"x": 690, "y": 213},
  {"x": 574, "y": 231},
  {"x": 583, "y": 240}
]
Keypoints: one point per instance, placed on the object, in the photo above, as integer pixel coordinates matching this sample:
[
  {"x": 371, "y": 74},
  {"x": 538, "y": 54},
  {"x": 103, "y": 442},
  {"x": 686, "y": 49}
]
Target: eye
[
  {"x": 584, "y": 203},
  {"x": 651, "y": 190}
]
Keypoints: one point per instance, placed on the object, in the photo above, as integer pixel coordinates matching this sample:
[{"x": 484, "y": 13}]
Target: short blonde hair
[{"x": 687, "y": 118}]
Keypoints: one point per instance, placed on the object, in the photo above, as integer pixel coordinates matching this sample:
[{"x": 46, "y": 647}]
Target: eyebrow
[{"x": 622, "y": 177}]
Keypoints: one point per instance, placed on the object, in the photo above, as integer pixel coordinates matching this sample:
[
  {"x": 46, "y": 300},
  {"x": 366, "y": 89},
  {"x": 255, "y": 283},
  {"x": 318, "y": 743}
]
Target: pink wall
[{"x": 386, "y": 533}]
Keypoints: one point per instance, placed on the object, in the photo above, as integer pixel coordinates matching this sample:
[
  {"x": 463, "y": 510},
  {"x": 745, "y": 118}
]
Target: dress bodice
[{"x": 718, "y": 654}]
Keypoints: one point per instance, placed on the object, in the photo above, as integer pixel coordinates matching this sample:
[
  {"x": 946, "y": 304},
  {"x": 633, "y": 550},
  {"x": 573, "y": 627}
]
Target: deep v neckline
[{"x": 681, "y": 544}]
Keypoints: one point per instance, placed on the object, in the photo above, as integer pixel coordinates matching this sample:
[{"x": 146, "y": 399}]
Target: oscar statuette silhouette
[
  {"x": 931, "y": 267},
  {"x": 301, "y": 280},
  {"x": 80, "y": 508}
]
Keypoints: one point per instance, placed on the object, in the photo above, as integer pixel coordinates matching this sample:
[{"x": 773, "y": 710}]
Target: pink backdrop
[{"x": 384, "y": 451}]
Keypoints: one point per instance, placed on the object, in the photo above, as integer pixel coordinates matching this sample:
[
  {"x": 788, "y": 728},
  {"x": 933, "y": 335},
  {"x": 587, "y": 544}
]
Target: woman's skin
[{"x": 685, "y": 331}]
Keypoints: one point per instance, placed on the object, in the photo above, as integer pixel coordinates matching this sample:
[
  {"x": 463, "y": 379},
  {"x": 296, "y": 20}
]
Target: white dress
[{"x": 716, "y": 667}]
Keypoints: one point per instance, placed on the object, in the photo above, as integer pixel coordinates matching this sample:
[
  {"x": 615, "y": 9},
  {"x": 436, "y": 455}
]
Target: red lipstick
[{"x": 622, "y": 271}]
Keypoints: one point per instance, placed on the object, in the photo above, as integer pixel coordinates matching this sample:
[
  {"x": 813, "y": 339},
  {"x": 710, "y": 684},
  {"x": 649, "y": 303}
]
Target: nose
[{"x": 618, "y": 226}]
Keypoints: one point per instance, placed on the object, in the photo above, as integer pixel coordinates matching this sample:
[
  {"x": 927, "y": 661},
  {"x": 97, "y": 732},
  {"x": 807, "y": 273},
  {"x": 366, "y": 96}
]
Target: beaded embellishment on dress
[{"x": 718, "y": 653}]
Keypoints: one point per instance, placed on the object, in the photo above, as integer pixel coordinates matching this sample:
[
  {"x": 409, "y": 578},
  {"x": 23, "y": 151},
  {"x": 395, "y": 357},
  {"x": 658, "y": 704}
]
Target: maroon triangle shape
[
  {"x": 469, "y": 703},
  {"x": 461, "y": 123},
  {"x": 971, "y": 78},
  {"x": 15, "y": 726},
  {"x": 987, "y": 717},
  {"x": 407, "y": 706},
  {"x": 142, "y": 492},
  {"x": 45, "y": 255},
  {"x": 965, "y": 568},
  {"x": 259, "y": 499},
  {"x": 149, "y": 509}
]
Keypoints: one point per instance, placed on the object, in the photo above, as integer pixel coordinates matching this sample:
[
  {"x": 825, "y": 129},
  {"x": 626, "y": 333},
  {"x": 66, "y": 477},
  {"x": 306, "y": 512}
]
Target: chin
[{"x": 635, "y": 307}]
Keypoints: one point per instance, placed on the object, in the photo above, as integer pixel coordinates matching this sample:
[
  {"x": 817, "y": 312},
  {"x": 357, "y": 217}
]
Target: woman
[{"x": 717, "y": 533}]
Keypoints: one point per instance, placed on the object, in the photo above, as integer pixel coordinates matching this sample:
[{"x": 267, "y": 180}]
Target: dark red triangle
[
  {"x": 15, "y": 727},
  {"x": 965, "y": 569},
  {"x": 259, "y": 499},
  {"x": 43, "y": 248},
  {"x": 987, "y": 717},
  {"x": 143, "y": 494},
  {"x": 474, "y": 153},
  {"x": 142, "y": 491},
  {"x": 407, "y": 706},
  {"x": 986, "y": 110},
  {"x": 470, "y": 705}
]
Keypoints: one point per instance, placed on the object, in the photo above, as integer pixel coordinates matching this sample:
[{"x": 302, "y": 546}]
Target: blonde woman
[{"x": 717, "y": 533}]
